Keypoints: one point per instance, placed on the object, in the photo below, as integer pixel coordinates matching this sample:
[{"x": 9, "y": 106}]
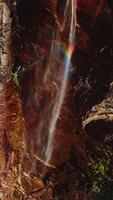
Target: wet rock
[
  {"x": 24, "y": 172},
  {"x": 99, "y": 120}
]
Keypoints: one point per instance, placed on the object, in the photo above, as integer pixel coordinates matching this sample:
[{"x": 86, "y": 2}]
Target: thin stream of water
[{"x": 71, "y": 9}]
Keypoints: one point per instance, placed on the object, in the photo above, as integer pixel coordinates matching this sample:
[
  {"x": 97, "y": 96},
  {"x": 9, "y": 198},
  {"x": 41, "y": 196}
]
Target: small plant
[
  {"x": 98, "y": 170},
  {"x": 100, "y": 174},
  {"x": 16, "y": 78}
]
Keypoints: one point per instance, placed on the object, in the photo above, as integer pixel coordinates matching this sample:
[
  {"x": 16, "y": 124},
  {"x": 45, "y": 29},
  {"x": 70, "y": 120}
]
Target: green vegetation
[
  {"x": 16, "y": 78},
  {"x": 98, "y": 176}
]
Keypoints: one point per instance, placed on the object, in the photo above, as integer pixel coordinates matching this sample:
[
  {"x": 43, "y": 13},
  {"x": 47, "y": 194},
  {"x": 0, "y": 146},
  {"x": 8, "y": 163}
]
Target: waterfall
[{"x": 69, "y": 12}]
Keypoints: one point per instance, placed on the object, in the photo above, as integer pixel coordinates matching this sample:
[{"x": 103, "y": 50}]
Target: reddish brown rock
[{"x": 24, "y": 172}]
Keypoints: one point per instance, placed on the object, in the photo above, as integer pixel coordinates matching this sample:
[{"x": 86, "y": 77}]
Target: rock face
[
  {"x": 81, "y": 160},
  {"x": 5, "y": 55},
  {"x": 11, "y": 120}
]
